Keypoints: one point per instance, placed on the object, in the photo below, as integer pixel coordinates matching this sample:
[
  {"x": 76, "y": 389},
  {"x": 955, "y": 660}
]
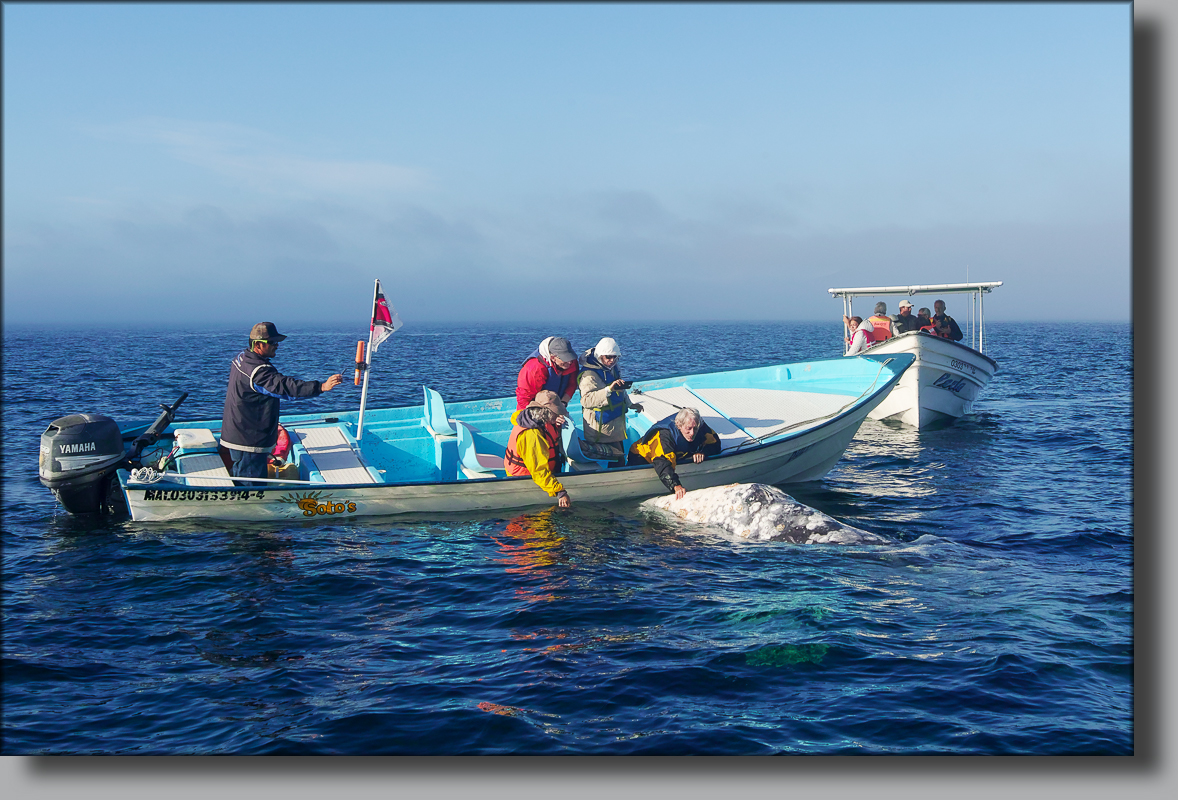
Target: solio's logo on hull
[{"x": 315, "y": 504}]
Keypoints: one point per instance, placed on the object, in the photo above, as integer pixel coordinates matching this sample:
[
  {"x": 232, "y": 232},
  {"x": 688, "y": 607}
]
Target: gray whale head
[{"x": 758, "y": 512}]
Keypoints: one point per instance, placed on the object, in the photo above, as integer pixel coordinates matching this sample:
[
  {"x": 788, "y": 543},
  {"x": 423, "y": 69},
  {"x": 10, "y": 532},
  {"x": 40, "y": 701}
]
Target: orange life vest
[
  {"x": 514, "y": 464},
  {"x": 882, "y": 328}
]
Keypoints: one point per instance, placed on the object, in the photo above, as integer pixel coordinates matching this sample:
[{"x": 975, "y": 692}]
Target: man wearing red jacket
[{"x": 551, "y": 366}]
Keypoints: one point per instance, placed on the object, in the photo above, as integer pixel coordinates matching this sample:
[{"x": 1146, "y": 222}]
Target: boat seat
[
  {"x": 578, "y": 460},
  {"x": 473, "y": 464},
  {"x": 434, "y": 414},
  {"x": 327, "y": 456},
  {"x": 203, "y": 469}
]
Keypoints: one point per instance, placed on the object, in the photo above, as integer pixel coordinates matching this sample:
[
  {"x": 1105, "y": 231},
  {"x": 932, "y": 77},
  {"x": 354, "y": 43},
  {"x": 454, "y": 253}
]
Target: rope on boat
[
  {"x": 758, "y": 439},
  {"x": 145, "y": 475},
  {"x": 835, "y": 413}
]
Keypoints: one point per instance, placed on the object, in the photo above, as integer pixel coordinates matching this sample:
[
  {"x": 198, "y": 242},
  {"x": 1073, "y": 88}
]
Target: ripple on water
[{"x": 999, "y": 620}]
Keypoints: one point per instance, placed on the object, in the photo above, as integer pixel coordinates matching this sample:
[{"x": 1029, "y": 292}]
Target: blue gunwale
[{"x": 391, "y": 429}]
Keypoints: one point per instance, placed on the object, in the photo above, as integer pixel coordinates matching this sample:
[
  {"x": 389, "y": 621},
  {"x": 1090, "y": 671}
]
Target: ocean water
[{"x": 998, "y": 619}]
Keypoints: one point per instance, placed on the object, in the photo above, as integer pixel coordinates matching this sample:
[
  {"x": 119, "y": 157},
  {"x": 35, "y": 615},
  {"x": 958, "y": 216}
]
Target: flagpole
[{"x": 367, "y": 367}]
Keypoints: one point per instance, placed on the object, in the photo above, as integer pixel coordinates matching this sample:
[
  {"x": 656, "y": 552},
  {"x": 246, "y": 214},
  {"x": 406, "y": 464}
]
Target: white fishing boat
[
  {"x": 777, "y": 424},
  {"x": 946, "y": 377}
]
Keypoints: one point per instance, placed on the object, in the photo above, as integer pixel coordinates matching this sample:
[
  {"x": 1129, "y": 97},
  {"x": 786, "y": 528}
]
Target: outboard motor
[{"x": 79, "y": 455}]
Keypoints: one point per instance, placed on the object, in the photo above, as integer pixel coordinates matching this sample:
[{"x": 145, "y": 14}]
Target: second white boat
[{"x": 946, "y": 377}]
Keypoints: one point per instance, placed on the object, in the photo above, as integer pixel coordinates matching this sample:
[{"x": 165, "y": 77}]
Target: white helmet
[{"x": 607, "y": 347}]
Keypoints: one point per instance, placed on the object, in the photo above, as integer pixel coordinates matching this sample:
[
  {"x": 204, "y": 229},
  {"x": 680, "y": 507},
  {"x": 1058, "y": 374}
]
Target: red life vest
[
  {"x": 563, "y": 383},
  {"x": 514, "y": 463},
  {"x": 282, "y": 447},
  {"x": 882, "y": 328}
]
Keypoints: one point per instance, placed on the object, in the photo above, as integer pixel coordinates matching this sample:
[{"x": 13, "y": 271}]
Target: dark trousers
[{"x": 249, "y": 465}]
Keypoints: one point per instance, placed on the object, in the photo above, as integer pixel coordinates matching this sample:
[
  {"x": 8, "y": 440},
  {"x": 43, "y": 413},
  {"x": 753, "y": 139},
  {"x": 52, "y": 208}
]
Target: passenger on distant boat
[
  {"x": 946, "y": 326},
  {"x": 604, "y": 402},
  {"x": 534, "y": 447},
  {"x": 249, "y": 427},
  {"x": 551, "y": 366},
  {"x": 670, "y": 440},
  {"x": 926, "y": 323},
  {"x": 881, "y": 322},
  {"x": 904, "y": 321},
  {"x": 861, "y": 338}
]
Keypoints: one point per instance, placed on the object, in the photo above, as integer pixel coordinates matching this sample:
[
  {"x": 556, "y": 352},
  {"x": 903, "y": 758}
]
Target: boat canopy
[
  {"x": 932, "y": 288},
  {"x": 975, "y": 312}
]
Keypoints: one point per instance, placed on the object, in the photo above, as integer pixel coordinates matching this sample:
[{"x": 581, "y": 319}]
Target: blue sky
[{"x": 225, "y": 163}]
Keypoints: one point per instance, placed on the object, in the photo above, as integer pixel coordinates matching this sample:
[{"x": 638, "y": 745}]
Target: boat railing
[{"x": 975, "y": 311}]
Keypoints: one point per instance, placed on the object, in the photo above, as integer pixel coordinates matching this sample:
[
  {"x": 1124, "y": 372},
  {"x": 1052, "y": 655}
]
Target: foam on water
[{"x": 757, "y": 512}]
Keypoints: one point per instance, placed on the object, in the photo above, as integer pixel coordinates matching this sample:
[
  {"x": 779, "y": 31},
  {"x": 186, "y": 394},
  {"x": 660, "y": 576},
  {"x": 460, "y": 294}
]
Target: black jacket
[
  {"x": 941, "y": 320},
  {"x": 250, "y": 421},
  {"x": 902, "y": 324}
]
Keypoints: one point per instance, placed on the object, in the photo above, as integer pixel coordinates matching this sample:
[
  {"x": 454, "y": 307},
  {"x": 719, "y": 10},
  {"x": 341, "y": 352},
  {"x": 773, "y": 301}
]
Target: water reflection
[
  {"x": 527, "y": 547},
  {"x": 915, "y": 479},
  {"x": 251, "y": 630},
  {"x": 897, "y": 461}
]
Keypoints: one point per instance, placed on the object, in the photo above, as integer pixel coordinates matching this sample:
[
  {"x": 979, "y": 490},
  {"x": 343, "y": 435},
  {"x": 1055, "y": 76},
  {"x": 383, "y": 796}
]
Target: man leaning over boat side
[
  {"x": 604, "y": 401},
  {"x": 946, "y": 326},
  {"x": 678, "y": 437},
  {"x": 551, "y": 366},
  {"x": 534, "y": 446},
  {"x": 249, "y": 425}
]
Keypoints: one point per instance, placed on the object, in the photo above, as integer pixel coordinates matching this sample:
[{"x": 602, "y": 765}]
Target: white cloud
[{"x": 263, "y": 162}]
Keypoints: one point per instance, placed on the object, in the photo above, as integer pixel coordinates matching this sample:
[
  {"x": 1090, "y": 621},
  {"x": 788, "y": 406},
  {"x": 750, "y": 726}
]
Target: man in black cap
[
  {"x": 552, "y": 366},
  {"x": 249, "y": 428}
]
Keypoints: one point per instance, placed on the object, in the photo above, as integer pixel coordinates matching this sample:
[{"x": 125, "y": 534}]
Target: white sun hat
[{"x": 607, "y": 347}]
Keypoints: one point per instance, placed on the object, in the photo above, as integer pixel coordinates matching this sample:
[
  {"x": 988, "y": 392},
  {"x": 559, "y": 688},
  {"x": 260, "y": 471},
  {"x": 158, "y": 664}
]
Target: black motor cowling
[{"x": 79, "y": 455}]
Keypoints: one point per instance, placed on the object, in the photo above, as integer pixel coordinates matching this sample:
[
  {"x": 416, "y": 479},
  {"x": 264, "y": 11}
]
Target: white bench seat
[
  {"x": 333, "y": 455},
  {"x": 203, "y": 470}
]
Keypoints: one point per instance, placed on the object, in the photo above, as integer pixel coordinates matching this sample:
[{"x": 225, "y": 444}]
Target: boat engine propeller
[{"x": 80, "y": 454}]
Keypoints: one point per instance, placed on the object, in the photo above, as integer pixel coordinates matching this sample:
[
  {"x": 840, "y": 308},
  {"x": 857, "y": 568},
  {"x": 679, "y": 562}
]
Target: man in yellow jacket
[{"x": 535, "y": 447}]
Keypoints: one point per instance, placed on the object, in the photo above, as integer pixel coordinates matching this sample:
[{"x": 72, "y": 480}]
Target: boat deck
[
  {"x": 439, "y": 442},
  {"x": 778, "y": 424},
  {"x": 737, "y": 415}
]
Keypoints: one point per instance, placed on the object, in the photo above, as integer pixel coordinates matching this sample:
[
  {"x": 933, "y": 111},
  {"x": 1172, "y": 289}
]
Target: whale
[{"x": 761, "y": 513}]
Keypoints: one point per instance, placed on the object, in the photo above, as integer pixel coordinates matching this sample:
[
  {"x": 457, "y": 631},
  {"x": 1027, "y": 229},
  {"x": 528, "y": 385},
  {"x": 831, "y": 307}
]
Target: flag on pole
[{"x": 384, "y": 319}]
